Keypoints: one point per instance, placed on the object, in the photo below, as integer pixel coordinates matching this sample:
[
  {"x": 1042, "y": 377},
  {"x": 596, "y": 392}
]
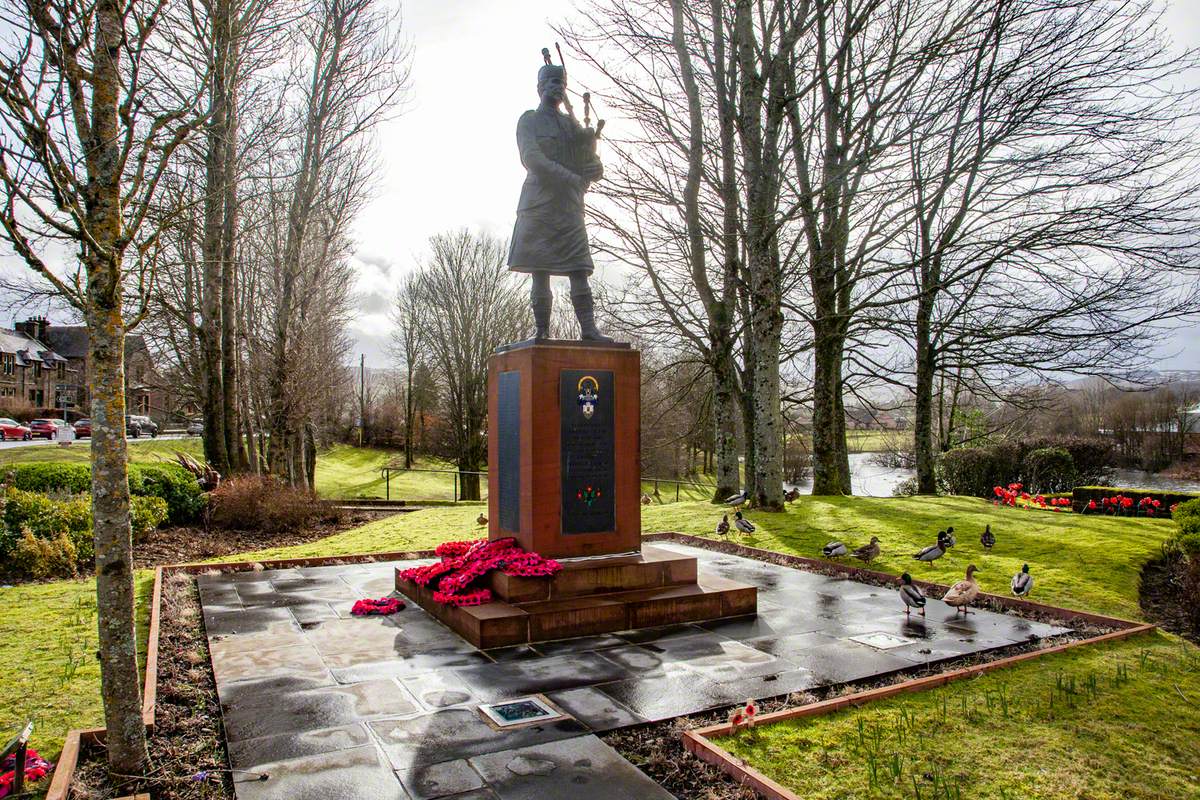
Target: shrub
[
  {"x": 1093, "y": 457},
  {"x": 974, "y": 471},
  {"x": 264, "y": 504},
  {"x": 174, "y": 484},
  {"x": 171, "y": 482},
  {"x": 52, "y": 476},
  {"x": 1050, "y": 469},
  {"x": 1187, "y": 517},
  {"x": 44, "y": 558},
  {"x": 146, "y": 514}
]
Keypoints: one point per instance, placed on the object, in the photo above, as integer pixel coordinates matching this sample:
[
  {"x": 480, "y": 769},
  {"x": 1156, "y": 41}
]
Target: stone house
[
  {"x": 65, "y": 386},
  {"x": 31, "y": 371}
]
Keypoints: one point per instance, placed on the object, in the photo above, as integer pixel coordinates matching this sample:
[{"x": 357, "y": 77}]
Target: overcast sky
[{"x": 451, "y": 160}]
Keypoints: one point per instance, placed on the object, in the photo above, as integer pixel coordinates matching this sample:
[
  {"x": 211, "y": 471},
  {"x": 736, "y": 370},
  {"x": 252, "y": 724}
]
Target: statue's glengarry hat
[{"x": 549, "y": 71}]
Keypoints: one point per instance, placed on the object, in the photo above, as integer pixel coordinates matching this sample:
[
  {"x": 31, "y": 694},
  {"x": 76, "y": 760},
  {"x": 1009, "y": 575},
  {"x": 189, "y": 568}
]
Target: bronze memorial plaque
[{"x": 586, "y": 418}]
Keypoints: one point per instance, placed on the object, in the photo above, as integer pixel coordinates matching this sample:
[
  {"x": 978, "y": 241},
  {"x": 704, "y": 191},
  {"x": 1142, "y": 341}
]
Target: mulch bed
[
  {"x": 188, "y": 740},
  {"x": 1164, "y": 596},
  {"x": 187, "y": 544}
]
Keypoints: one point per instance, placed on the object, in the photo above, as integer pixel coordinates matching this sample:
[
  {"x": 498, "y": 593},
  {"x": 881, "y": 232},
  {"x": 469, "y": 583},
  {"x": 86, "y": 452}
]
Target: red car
[
  {"x": 11, "y": 429},
  {"x": 44, "y": 428},
  {"x": 83, "y": 428}
]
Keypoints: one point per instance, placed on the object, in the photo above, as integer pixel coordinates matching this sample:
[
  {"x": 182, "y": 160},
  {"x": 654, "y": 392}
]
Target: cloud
[{"x": 374, "y": 303}]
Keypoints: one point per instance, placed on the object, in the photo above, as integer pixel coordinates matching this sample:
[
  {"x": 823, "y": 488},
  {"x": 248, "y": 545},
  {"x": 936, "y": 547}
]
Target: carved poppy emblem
[{"x": 589, "y": 395}]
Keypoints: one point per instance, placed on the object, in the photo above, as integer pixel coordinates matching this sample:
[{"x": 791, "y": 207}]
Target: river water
[{"x": 868, "y": 479}]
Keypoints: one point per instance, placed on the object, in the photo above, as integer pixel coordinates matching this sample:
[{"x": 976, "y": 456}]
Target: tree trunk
[
  {"x": 768, "y": 418},
  {"x": 830, "y": 460},
  {"x": 234, "y": 447},
  {"x": 923, "y": 412},
  {"x": 725, "y": 422},
  {"x": 120, "y": 689}
]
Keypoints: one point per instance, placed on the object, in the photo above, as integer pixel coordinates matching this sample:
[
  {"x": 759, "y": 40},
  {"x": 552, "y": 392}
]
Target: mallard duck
[
  {"x": 742, "y": 524},
  {"x": 835, "y": 550},
  {"x": 964, "y": 592},
  {"x": 911, "y": 595},
  {"x": 868, "y": 552},
  {"x": 931, "y": 553},
  {"x": 738, "y": 499},
  {"x": 481, "y": 520},
  {"x": 987, "y": 538},
  {"x": 792, "y": 495},
  {"x": 946, "y": 538},
  {"x": 646, "y": 499},
  {"x": 1022, "y": 582},
  {"x": 723, "y": 526}
]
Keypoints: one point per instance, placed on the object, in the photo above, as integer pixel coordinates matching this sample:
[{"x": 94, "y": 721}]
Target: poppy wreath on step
[
  {"x": 455, "y": 579},
  {"x": 36, "y": 768}
]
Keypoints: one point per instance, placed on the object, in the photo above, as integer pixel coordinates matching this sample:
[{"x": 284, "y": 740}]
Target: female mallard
[
  {"x": 741, "y": 523},
  {"x": 911, "y": 595},
  {"x": 868, "y": 552},
  {"x": 1022, "y": 582},
  {"x": 987, "y": 538},
  {"x": 964, "y": 592},
  {"x": 723, "y": 526},
  {"x": 835, "y": 550}
]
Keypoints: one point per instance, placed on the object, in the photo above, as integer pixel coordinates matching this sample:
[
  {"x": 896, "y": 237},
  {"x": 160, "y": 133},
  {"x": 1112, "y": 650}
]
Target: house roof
[
  {"x": 27, "y": 349},
  {"x": 72, "y": 341}
]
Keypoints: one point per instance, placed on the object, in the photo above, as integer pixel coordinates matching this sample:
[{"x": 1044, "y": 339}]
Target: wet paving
[{"x": 333, "y": 706}]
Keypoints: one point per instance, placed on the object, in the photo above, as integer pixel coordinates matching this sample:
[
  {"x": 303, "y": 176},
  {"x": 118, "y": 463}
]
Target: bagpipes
[{"x": 582, "y": 152}]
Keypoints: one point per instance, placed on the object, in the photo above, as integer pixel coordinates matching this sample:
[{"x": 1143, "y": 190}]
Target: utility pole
[{"x": 362, "y": 396}]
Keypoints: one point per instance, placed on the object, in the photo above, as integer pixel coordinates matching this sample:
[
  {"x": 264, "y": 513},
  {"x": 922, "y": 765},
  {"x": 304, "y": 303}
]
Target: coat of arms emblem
[{"x": 589, "y": 395}]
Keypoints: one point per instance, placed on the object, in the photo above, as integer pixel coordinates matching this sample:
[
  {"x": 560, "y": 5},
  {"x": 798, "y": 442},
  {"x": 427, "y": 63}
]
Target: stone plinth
[
  {"x": 563, "y": 448},
  {"x": 592, "y": 596},
  {"x": 564, "y": 480}
]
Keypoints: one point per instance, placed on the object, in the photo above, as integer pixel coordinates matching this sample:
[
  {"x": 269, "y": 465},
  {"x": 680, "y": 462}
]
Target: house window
[
  {"x": 143, "y": 404},
  {"x": 62, "y": 370},
  {"x": 9, "y": 362},
  {"x": 37, "y": 369},
  {"x": 36, "y": 396}
]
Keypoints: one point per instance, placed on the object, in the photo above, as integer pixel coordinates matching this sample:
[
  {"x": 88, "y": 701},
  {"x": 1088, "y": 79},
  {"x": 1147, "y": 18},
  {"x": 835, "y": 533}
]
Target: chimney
[{"x": 34, "y": 327}]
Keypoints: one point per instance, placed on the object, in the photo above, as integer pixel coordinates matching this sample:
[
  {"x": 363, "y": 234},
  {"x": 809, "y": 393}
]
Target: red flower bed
[
  {"x": 463, "y": 564},
  {"x": 1124, "y": 506}
]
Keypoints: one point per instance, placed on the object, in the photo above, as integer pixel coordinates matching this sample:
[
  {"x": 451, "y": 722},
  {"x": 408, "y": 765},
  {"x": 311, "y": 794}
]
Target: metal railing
[{"x": 650, "y": 486}]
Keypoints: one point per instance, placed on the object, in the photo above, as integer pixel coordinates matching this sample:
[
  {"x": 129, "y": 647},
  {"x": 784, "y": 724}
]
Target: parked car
[
  {"x": 83, "y": 428},
  {"x": 44, "y": 428},
  {"x": 11, "y": 429},
  {"x": 195, "y": 428},
  {"x": 136, "y": 425}
]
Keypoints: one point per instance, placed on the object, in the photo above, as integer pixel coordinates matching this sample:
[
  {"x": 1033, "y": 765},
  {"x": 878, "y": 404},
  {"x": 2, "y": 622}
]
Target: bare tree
[
  {"x": 357, "y": 72},
  {"x": 467, "y": 304},
  {"x": 92, "y": 109},
  {"x": 407, "y": 349}
]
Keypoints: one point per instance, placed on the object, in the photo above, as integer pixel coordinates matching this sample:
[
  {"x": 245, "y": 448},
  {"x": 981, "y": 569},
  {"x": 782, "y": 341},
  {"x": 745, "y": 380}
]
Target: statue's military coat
[{"x": 549, "y": 235}]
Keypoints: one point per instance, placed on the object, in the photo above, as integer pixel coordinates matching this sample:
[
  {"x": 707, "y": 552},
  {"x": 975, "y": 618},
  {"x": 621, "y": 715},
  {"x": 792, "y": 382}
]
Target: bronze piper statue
[{"x": 550, "y": 237}]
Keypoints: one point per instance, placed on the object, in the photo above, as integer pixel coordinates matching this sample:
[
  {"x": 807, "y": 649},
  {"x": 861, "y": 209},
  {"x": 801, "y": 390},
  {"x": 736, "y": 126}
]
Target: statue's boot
[
  {"x": 585, "y": 312},
  {"x": 542, "y": 306}
]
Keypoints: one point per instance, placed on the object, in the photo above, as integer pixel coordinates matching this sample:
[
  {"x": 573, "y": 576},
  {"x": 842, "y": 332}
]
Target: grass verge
[{"x": 1116, "y": 720}]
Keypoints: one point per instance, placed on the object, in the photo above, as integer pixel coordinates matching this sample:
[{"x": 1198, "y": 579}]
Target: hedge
[
  {"x": 171, "y": 482},
  {"x": 1082, "y": 495},
  {"x": 1187, "y": 517},
  {"x": 40, "y": 534}
]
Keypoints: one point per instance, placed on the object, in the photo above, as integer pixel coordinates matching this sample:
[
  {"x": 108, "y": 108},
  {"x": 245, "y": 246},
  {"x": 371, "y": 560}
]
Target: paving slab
[
  {"x": 341, "y": 706},
  {"x": 359, "y": 773},
  {"x": 455, "y": 733},
  {"x": 583, "y": 768}
]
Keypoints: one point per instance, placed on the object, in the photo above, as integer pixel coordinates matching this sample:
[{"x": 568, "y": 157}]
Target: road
[{"x": 167, "y": 437}]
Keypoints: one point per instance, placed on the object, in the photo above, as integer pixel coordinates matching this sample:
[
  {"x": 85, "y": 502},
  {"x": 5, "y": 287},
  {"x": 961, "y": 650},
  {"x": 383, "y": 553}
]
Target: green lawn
[
  {"x": 1085, "y": 562},
  {"x": 140, "y": 451},
  {"x": 345, "y": 471},
  {"x": 1130, "y": 729}
]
